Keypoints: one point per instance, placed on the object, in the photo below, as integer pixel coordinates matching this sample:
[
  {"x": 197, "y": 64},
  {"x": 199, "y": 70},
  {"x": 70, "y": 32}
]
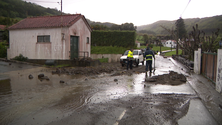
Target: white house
[
  {"x": 170, "y": 43},
  {"x": 137, "y": 44},
  {"x": 50, "y": 37}
]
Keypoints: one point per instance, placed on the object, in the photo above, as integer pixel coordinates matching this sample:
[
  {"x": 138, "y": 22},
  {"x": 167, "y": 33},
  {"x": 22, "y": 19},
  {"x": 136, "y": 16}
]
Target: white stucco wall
[
  {"x": 168, "y": 44},
  {"x": 24, "y": 41},
  {"x": 81, "y": 30},
  {"x": 219, "y": 71},
  {"x": 197, "y": 61}
]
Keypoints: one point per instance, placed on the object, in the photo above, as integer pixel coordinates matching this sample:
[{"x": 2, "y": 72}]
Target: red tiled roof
[
  {"x": 48, "y": 22},
  {"x": 2, "y": 27}
]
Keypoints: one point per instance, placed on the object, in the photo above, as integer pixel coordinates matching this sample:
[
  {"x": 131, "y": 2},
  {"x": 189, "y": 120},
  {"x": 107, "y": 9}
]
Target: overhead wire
[
  {"x": 40, "y": 1},
  {"x": 185, "y": 8}
]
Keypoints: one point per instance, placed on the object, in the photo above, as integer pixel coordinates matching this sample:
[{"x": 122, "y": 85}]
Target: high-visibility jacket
[
  {"x": 130, "y": 54},
  {"x": 148, "y": 55}
]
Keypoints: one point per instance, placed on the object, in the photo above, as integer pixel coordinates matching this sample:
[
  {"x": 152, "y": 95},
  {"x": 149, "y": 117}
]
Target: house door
[{"x": 74, "y": 47}]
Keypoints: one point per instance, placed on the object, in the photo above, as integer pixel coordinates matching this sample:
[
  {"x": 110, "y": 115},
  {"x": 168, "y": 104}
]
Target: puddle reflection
[{"x": 5, "y": 87}]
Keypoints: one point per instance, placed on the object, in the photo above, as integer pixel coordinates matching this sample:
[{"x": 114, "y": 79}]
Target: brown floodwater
[{"x": 97, "y": 99}]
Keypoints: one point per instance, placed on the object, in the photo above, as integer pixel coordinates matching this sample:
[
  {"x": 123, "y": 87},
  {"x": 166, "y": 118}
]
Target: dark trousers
[
  {"x": 129, "y": 64},
  {"x": 149, "y": 65}
]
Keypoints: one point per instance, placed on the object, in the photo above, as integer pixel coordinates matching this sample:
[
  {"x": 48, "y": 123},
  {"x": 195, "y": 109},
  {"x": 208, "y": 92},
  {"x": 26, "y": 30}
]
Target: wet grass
[
  {"x": 104, "y": 60},
  {"x": 107, "y": 50},
  {"x": 173, "y": 53},
  {"x": 120, "y": 50},
  {"x": 157, "y": 48}
]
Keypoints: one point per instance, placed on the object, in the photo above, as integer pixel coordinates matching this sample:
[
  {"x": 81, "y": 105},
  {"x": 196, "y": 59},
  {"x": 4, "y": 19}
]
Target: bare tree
[{"x": 196, "y": 39}]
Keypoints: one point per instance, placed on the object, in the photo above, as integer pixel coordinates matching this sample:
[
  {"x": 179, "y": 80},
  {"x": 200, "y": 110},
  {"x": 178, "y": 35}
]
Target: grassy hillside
[
  {"x": 207, "y": 24},
  {"x": 22, "y": 9}
]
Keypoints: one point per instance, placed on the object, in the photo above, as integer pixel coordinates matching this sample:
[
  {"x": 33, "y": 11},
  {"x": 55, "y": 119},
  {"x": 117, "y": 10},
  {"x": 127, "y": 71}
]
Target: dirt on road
[
  {"x": 105, "y": 94},
  {"x": 115, "y": 69}
]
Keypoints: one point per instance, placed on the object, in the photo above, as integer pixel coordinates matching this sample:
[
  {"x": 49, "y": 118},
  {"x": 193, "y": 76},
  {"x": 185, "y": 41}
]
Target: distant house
[
  {"x": 2, "y": 27},
  {"x": 137, "y": 44},
  {"x": 169, "y": 43},
  {"x": 50, "y": 37}
]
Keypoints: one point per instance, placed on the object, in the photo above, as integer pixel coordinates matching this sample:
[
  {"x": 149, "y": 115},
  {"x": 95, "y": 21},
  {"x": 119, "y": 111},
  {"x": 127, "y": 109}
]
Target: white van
[{"x": 137, "y": 57}]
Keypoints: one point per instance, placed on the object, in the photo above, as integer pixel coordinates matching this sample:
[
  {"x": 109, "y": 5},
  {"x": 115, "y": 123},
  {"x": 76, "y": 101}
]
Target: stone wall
[{"x": 111, "y": 57}]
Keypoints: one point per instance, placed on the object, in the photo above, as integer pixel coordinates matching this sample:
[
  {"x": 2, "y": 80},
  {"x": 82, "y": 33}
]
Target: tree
[
  {"x": 125, "y": 26},
  {"x": 180, "y": 28},
  {"x": 145, "y": 38},
  {"x": 3, "y": 49},
  {"x": 128, "y": 26},
  {"x": 115, "y": 27},
  {"x": 99, "y": 27},
  {"x": 180, "y": 31}
]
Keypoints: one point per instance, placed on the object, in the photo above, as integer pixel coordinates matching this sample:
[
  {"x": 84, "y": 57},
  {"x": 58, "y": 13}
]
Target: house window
[
  {"x": 87, "y": 40},
  {"x": 43, "y": 38}
]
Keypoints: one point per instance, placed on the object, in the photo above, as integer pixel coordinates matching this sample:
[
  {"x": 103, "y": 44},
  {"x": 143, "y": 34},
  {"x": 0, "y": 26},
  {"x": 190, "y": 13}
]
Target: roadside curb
[
  {"x": 20, "y": 62},
  {"x": 205, "y": 89},
  {"x": 207, "y": 93}
]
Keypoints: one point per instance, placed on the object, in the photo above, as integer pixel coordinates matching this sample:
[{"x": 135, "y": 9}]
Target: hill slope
[
  {"x": 207, "y": 24},
  {"x": 19, "y": 9},
  {"x": 22, "y": 9}
]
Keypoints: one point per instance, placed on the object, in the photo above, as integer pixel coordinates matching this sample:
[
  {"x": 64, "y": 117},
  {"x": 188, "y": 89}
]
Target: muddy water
[{"x": 100, "y": 99}]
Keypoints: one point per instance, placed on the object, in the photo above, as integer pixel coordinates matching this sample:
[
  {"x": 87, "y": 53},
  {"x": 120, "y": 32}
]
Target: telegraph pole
[{"x": 61, "y": 7}]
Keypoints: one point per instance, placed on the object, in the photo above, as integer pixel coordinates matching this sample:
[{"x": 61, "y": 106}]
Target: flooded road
[{"x": 97, "y": 99}]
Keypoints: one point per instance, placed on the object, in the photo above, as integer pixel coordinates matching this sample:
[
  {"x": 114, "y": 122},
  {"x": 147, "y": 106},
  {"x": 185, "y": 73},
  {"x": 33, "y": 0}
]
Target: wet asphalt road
[{"x": 97, "y": 100}]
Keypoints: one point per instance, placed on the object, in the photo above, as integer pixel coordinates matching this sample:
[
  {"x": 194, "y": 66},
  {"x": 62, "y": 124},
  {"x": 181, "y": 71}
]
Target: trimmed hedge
[{"x": 113, "y": 38}]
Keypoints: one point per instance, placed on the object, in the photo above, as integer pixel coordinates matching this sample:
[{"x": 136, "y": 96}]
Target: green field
[
  {"x": 120, "y": 50},
  {"x": 157, "y": 48},
  {"x": 173, "y": 53}
]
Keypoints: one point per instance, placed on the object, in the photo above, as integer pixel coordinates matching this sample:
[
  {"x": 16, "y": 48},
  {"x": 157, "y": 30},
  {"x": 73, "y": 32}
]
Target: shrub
[
  {"x": 3, "y": 49},
  {"x": 103, "y": 60},
  {"x": 20, "y": 58},
  {"x": 113, "y": 38}
]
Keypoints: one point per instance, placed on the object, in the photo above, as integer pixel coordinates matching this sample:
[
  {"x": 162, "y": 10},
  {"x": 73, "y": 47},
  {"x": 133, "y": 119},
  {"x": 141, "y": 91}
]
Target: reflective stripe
[{"x": 148, "y": 57}]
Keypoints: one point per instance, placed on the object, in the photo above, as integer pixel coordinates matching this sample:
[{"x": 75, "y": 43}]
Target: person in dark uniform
[{"x": 148, "y": 56}]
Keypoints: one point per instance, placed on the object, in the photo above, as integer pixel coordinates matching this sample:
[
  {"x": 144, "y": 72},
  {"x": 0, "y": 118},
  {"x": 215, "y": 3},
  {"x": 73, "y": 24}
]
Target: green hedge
[
  {"x": 113, "y": 38},
  {"x": 3, "y": 49},
  {"x": 107, "y": 50}
]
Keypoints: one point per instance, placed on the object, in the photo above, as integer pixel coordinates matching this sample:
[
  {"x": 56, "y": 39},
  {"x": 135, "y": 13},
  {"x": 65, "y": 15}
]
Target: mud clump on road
[
  {"x": 115, "y": 69},
  {"x": 173, "y": 78}
]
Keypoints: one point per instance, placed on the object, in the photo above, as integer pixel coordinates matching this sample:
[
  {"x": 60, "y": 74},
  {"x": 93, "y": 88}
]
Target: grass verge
[
  {"x": 107, "y": 50},
  {"x": 173, "y": 53},
  {"x": 157, "y": 48},
  {"x": 103, "y": 60}
]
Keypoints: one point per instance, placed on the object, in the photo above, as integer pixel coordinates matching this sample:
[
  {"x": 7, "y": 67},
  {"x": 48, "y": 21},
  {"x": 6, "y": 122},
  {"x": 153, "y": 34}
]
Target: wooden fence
[{"x": 209, "y": 66}]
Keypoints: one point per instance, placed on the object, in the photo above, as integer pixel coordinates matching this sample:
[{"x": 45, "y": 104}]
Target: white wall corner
[
  {"x": 219, "y": 71},
  {"x": 197, "y": 61}
]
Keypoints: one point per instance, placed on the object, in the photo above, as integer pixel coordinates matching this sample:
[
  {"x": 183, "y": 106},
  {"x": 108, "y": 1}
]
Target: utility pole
[{"x": 61, "y": 7}]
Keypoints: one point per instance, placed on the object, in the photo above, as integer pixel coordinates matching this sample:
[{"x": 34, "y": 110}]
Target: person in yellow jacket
[{"x": 130, "y": 59}]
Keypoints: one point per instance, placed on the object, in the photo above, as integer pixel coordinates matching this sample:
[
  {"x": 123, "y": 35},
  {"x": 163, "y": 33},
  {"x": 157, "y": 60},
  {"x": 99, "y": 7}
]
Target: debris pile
[
  {"x": 173, "y": 78},
  {"x": 184, "y": 61},
  {"x": 105, "y": 68}
]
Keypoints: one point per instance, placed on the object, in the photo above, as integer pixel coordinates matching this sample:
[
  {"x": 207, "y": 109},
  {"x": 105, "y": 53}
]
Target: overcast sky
[{"x": 138, "y": 12}]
